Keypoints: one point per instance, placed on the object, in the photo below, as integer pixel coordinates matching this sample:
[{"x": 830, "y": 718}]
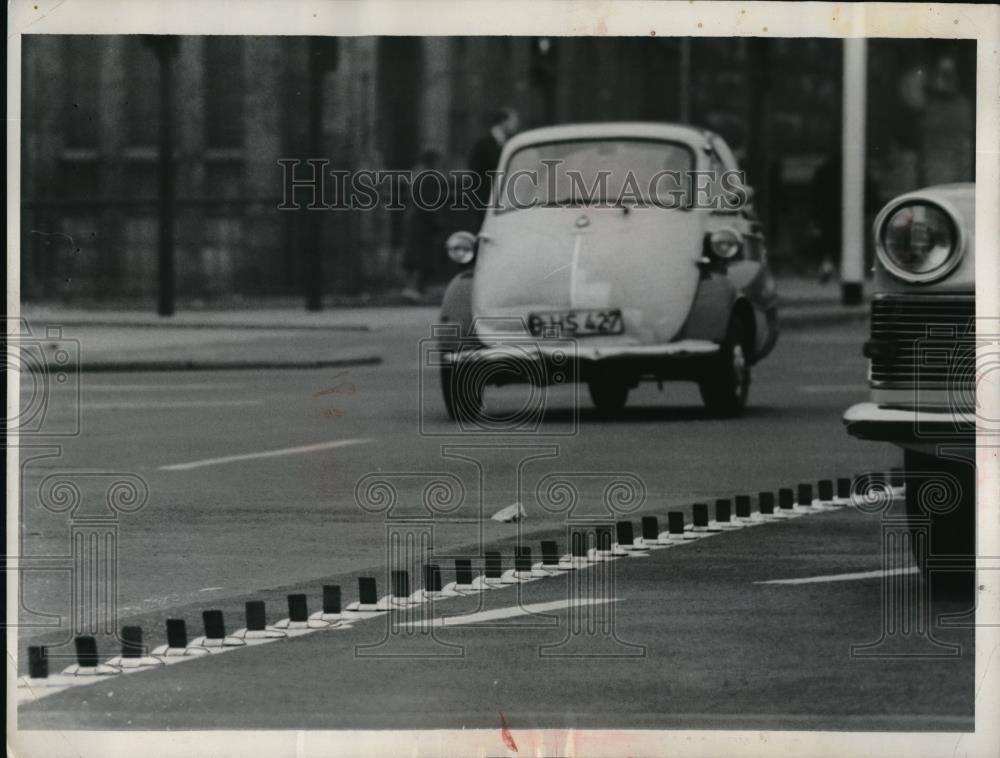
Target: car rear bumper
[
  {"x": 907, "y": 426},
  {"x": 529, "y": 350},
  {"x": 544, "y": 363}
]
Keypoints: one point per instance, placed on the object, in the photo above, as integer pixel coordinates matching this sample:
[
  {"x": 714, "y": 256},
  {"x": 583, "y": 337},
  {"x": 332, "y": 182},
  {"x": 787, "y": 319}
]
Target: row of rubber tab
[{"x": 587, "y": 547}]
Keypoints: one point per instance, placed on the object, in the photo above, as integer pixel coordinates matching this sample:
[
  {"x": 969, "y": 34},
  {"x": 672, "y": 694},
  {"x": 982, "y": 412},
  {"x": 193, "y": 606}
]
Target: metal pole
[
  {"x": 166, "y": 48},
  {"x": 314, "y": 218},
  {"x": 684, "y": 88},
  {"x": 852, "y": 258}
]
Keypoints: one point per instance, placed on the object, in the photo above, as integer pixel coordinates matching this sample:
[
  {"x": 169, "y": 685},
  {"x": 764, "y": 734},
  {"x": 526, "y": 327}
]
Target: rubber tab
[
  {"x": 38, "y": 662},
  {"x": 765, "y": 502},
  {"x": 463, "y": 571},
  {"x": 256, "y": 616},
  {"x": 742, "y": 506},
  {"x": 331, "y": 598},
  {"x": 86, "y": 651},
  {"x": 624, "y": 533},
  {"x": 367, "y": 591},
  {"x": 650, "y": 527},
  {"x": 132, "y": 642},
  {"x": 215, "y": 627},
  {"x": 700, "y": 513},
  {"x": 176, "y": 633}
]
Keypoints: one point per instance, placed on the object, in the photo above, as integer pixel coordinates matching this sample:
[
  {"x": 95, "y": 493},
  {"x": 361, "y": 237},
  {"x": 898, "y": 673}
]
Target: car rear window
[{"x": 596, "y": 171}]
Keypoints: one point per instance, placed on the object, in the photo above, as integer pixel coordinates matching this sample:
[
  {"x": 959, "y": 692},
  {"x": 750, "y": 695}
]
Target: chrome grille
[{"x": 926, "y": 340}]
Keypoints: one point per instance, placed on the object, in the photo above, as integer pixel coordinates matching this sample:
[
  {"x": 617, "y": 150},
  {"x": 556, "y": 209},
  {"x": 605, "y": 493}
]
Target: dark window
[
  {"x": 224, "y": 92},
  {"x": 142, "y": 87},
  {"x": 82, "y": 56}
]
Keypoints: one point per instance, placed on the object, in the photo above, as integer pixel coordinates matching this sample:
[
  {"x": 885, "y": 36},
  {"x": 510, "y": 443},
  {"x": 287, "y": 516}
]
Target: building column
[
  {"x": 436, "y": 94},
  {"x": 520, "y": 75},
  {"x": 262, "y": 177},
  {"x": 372, "y": 228},
  {"x": 852, "y": 260},
  {"x": 111, "y": 136},
  {"x": 44, "y": 65},
  {"x": 189, "y": 75}
]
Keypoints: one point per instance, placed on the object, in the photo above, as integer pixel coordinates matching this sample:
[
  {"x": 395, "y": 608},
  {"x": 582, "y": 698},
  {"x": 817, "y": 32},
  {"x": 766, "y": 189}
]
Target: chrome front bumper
[
  {"x": 529, "y": 350},
  {"x": 908, "y": 427}
]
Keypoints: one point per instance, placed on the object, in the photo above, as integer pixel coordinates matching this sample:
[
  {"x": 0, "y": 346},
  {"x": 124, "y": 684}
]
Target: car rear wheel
[
  {"x": 952, "y": 543},
  {"x": 609, "y": 393},
  {"x": 726, "y": 383},
  {"x": 462, "y": 393}
]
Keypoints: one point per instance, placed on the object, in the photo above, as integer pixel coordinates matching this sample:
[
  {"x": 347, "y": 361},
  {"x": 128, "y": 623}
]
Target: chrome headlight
[
  {"x": 917, "y": 242},
  {"x": 725, "y": 244}
]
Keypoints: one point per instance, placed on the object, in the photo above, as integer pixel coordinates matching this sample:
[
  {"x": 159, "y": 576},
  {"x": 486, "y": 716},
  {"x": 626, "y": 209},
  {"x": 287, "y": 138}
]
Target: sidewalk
[
  {"x": 806, "y": 302},
  {"x": 266, "y": 336},
  {"x": 266, "y": 317}
]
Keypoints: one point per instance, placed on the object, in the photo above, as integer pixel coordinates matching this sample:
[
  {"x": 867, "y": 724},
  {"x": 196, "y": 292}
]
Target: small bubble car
[{"x": 632, "y": 247}]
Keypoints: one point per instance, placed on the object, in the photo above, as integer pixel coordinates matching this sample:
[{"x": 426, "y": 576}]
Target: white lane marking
[
  {"x": 557, "y": 270},
  {"x": 828, "y": 338},
  {"x": 264, "y": 454},
  {"x": 843, "y": 577},
  {"x": 156, "y": 404},
  {"x": 210, "y": 589},
  {"x": 509, "y": 612},
  {"x": 159, "y": 387},
  {"x": 816, "y": 389}
]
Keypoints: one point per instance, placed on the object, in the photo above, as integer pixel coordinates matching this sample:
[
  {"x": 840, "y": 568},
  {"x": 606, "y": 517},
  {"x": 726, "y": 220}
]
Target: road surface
[{"x": 253, "y": 481}]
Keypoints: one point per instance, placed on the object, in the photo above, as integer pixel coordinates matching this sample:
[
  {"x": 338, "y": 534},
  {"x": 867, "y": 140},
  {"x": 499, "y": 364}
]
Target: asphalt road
[{"x": 224, "y": 524}]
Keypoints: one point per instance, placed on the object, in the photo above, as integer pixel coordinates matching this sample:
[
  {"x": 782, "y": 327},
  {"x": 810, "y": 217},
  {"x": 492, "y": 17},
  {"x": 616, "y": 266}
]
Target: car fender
[
  {"x": 756, "y": 285},
  {"x": 713, "y": 304},
  {"x": 717, "y": 301},
  {"x": 456, "y": 308}
]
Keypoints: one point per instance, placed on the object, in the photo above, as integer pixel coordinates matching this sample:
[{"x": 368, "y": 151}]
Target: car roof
[{"x": 636, "y": 129}]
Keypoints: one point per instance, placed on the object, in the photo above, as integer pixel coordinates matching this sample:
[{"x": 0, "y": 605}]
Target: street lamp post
[
  {"x": 322, "y": 58},
  {"x": 165, "y": 48},
  {"x": 852, "y": 258}
]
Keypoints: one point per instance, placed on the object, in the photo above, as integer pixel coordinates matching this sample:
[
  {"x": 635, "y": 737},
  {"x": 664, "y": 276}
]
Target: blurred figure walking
[
  {"x": 948, "y": 126},
  {"x": 422, "y": 233},
  {"x": 485, "y": 154},
  {"x": 826, "y": 212}
]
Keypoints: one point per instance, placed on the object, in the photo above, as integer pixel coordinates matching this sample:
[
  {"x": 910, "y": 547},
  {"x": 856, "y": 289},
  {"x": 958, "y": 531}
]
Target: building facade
[{"x": 90, "y": 125}]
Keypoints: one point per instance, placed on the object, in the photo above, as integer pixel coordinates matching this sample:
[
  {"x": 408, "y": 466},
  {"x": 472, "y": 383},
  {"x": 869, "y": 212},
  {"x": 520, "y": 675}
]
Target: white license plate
[{"x": 576, "y": 323}]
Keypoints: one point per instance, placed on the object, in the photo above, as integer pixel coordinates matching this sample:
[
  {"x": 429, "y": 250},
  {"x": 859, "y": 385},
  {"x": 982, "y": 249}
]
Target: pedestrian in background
[
  {"x": 948, "y": 128},
  {"x": 422, "y": 234},
  {"x": 826, "y": 212},
  {"x": 485, "y": 154}
]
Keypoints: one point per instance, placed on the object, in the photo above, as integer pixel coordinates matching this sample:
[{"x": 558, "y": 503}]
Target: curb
[
  {"x": 819, "y": 317},
  {"x": 171, "y": 364},
  {"x": 132, "y": 324},
  {"x": 788, "y": 315}
]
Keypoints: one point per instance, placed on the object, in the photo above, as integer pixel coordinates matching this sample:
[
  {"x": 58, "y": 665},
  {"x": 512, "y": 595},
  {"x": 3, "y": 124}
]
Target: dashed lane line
[
  {"x": 158, "y": 404},
  {"x": 160, "y": 387},
  {"x": 857, "y": 575},
  {"x": 512, "y": 611},
  {"x": 823, "y": 389},
  {"x": 263, "y": 454}
]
